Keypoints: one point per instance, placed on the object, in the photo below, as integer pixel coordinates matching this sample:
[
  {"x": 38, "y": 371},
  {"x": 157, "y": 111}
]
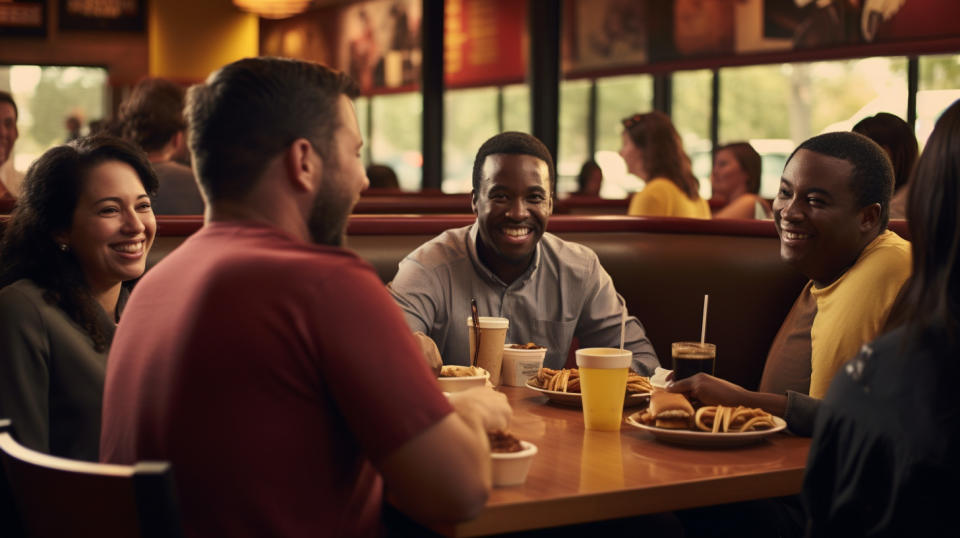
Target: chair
[{"x": 47, "y": 496}]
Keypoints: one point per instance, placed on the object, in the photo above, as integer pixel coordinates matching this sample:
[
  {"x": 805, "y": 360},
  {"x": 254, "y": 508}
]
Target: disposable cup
[
  {"x": 493, "y": 332},
  {"x": 691, "y": 358},
  {"x": 603, "y": 384},
  {"x": 519, "y": 365}
]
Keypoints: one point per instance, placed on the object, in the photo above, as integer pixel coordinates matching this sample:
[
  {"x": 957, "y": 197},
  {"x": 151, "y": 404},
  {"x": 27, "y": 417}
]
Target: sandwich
[{"x": 669, "y": 410}]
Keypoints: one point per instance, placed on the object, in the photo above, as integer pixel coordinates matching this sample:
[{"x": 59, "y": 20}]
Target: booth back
[{"x": 663, "y": 267}]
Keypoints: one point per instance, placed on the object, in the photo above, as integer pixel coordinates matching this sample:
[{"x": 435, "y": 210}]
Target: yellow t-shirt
[
  {"x": 852, "y": 310},
  {"x": 662, "y": 198}
]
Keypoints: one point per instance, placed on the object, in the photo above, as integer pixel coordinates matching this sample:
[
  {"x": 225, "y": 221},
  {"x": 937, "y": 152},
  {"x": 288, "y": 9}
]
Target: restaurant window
[
  {"x": 470, "y": 118},
  {"x": 46, "y": 97},
  {"x": 937, "y": 88},
  {"x": 775, "y": 107},
  {"x": 396, "y": 136},
  {"x": 690, "y": 112},
  {"x": 572, "y": 135},
  {"x": 361, "y": 106},
  {"x": 516, "y": 108},
  {"x": 617, "y": 98}
]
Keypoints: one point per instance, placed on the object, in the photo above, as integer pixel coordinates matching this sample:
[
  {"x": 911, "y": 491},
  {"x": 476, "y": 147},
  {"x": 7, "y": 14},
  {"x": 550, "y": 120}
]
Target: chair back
[{"x": 55, "y": 497}]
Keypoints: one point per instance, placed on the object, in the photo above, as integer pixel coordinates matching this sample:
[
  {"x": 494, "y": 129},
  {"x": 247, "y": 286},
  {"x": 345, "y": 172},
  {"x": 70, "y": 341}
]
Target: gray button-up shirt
[{"x": 564, "y": 293}]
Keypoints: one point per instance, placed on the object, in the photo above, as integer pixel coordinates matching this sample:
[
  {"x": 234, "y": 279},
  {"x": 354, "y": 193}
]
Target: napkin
[{"x": 659, "y": 378}]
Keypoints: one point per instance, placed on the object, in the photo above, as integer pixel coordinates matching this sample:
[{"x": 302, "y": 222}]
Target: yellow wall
[{"x": 191, "y": 38}]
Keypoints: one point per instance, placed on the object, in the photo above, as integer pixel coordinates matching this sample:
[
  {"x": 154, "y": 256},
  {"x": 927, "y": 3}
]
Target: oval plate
[
  {"x": 696, "y": 438},
  {"x": 572, "y": 399}
]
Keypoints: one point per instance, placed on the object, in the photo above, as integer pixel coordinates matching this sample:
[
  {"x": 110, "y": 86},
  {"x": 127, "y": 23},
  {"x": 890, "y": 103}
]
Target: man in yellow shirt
[{"x": 831, "y": 213}]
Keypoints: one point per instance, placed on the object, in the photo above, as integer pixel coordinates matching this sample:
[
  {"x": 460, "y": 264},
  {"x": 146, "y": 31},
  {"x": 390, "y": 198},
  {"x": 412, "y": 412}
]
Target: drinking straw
[
  {"x": 703, "y": 324},
  {"x": 623, "y": 319}
]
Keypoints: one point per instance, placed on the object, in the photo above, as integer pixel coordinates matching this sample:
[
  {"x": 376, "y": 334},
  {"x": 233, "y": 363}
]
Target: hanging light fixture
[{"x": 273, "y": 9}]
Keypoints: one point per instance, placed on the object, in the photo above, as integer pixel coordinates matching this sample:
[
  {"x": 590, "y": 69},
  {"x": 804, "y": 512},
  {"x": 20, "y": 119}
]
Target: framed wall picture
[
  {"x": 23, "y": 18},
  {"x": 121, "y": 15}
]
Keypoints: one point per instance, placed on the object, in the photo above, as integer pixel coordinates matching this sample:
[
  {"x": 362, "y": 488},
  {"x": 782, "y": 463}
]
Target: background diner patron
[
  {"x": 653, "y": 151},
  {"x": 735, "y": 182}
]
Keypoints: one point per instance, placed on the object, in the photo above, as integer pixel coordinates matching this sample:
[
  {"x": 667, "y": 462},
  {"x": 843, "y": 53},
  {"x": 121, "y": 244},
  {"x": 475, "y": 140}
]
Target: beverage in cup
[
  {"x": 692, "y": 357},
  {"x": 493, "y": 332},
  {"x": 603, "y": 384},
  {"x": 521, "y": 363}
]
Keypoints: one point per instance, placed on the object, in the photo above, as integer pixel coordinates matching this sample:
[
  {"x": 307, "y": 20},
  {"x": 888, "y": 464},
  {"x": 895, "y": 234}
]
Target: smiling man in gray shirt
[{"x": 550, "y": 289}]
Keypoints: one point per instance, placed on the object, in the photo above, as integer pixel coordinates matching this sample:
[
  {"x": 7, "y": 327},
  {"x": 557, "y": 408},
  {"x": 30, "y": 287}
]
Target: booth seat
[{"x": 662, "y": 267}]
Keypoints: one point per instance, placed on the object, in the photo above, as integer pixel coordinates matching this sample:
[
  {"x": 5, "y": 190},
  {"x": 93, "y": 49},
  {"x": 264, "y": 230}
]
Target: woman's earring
[{"x": 64, "y": 247}]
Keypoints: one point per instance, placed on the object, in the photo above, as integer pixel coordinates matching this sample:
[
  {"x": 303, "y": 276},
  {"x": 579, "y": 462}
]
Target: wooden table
[{"x": 580, "y": 476}]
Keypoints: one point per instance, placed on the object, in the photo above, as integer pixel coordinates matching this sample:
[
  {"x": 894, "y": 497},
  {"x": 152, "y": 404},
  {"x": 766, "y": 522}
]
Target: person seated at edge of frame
[
  {"x": 245, "y": 356},
  {"x": 551, "y": 290},
  {"x": 896, "y": 137},
  {"x": 152, "y": 117},
  {"x": 80, "y": 233},
  {"x": 831, "y": 214},
  {"x": 10, "y": 178},
  {"x": 735, "y": 180},
  {"x": 887, "y": 434},
  {"x": 654, "y": 153}
]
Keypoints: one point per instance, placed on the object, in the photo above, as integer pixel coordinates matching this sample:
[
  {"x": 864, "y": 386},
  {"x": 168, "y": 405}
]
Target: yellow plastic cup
[{"x": 603, "y": 384}]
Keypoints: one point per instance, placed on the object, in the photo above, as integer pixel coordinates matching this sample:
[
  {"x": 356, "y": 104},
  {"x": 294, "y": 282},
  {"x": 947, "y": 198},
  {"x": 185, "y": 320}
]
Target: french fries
[
  {"x": 723, "y": 419},
  {"x": 568, "y": 380}
]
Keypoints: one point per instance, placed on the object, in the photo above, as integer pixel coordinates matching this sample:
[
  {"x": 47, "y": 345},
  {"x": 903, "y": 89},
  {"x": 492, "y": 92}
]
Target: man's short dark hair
[
  {"x": 251, "y": 110},
  {"x": 153, "y": 114},
  {"x": 515, "y": 143},
  {"x": 5, "y": 97},
  {"x": 872, "y": 177}
]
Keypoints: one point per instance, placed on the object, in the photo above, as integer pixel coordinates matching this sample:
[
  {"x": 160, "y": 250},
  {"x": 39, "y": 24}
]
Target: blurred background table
[{"x": 581, "y": 476}]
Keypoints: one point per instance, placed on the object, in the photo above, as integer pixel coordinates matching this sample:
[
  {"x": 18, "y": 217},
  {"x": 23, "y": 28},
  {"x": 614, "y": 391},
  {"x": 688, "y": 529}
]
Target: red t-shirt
[{"x": 274, "y": 375}]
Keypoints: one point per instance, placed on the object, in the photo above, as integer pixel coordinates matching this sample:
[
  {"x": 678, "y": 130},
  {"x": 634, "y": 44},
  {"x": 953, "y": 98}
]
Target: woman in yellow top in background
[{"x": 653, "y": 152}]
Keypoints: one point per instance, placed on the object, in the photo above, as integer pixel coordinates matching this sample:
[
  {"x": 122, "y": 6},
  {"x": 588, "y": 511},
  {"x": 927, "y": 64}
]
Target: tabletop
[{"x": 579, "y": 475}]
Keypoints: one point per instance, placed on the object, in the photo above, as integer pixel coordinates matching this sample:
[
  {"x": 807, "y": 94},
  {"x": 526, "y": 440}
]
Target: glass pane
[
  {"x": 470, "y": 118},
  {"x": 361, "y": 104},
  {"x": 691, "y": 116},
  {"x": 813, "y": 97},
  {"x": 938, "y": 88},
  {"x": 617, "y": 98},
  {"x": 516, "y": 108},
  {"x": 574, "y": 115},
  {"x": 46, "y": 97},
  {"x": 395, "y": 140}
]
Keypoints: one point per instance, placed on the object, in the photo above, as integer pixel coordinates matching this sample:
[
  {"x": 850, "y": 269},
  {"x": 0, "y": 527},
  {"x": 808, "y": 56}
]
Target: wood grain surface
[{"x": 580, "y": 476}]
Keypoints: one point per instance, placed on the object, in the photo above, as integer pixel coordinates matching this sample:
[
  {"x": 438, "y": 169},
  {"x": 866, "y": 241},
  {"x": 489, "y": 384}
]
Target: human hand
[
  {"x": 483, "y": 406},
  {"x": 430, "y": 352},
  {"x": 710, "y": 390}
]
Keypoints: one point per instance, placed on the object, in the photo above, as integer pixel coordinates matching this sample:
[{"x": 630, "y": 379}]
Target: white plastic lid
[
  {"x": 490, "y": 322},
  {"x": 604, "y": 357}
]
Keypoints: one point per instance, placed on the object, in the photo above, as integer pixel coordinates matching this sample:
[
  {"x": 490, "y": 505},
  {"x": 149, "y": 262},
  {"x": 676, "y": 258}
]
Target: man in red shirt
[{"x": 267, "y": 363}]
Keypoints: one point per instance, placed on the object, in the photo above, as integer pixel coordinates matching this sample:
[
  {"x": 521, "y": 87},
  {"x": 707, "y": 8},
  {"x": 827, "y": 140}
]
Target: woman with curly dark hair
[
  {"x": 82, "y": 228},
  {"x": 654, "y": 152}
]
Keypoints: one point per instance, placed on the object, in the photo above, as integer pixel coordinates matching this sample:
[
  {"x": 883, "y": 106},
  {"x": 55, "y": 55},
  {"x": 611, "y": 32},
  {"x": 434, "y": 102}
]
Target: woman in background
[
  {"x": 887, "y": 434},
  {"x": 896, "y": 138},
  {"x": 735, "y": 180},
  {"x": 82, "y": 228},
  {"x": 653, "y": 152}
]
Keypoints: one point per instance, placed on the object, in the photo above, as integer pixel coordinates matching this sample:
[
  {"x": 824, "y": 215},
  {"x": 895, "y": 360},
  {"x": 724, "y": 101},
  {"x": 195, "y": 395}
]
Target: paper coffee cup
[
  {"x": 493, "y": 332},
  {"x": 519, "y": 365},
  {"x": 603, "y": 385}
]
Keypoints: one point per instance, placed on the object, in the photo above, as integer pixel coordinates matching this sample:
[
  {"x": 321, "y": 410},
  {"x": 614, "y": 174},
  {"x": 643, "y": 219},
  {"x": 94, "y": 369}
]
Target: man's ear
[
  {"x": 473, "y": 200},
  {"x": 302, "y": 164},
  {"x": 869, "y": 217}
]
